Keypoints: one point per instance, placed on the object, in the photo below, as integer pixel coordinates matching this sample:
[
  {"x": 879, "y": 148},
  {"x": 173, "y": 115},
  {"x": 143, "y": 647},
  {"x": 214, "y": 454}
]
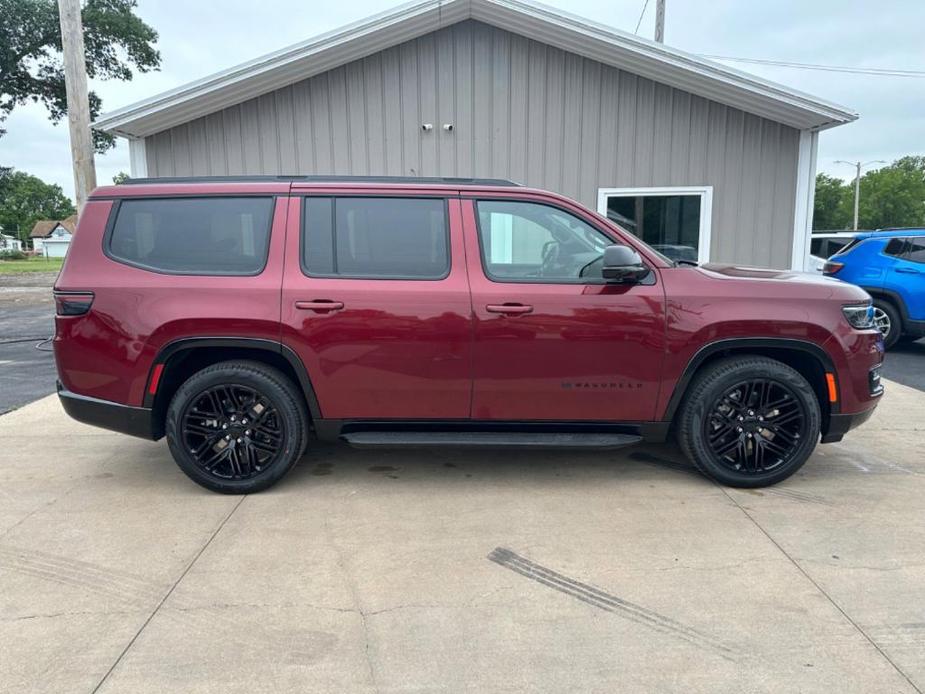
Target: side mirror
[{"x": 622, "y": 265}]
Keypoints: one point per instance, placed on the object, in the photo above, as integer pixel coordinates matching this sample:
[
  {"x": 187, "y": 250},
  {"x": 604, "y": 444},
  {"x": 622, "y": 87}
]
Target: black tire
[
  {"x": 889, "y": 316},
  {"x": 209, "y": 412},
  {"x": 710, "y": 408}
]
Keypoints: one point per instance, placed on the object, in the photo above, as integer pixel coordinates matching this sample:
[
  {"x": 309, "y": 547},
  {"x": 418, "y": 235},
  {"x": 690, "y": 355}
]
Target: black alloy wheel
[
  {"x": 237, "y": 427},
  {"x": 755, "y": 426},
  {"x": 233, "y": 431},
  {"x": 749, "y": 421}
]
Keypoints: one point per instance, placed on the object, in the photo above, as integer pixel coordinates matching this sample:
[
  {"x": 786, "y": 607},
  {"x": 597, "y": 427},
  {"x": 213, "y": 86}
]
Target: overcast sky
[{"x": 201, "y": 37}]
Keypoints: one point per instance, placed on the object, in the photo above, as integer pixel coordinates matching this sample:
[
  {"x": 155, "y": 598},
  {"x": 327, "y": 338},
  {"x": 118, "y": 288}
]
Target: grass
[{"x": 38, "y": 264}]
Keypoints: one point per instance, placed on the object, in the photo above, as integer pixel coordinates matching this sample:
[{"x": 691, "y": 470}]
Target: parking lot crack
[
  {"x": 822, "y": 590},
  {"x": 168, "y": 594},
  {"x": 358, "y": 607}
]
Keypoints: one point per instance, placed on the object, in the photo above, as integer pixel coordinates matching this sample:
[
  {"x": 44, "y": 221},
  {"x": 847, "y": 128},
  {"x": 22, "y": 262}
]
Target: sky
[{"x": 199, "y": 37}]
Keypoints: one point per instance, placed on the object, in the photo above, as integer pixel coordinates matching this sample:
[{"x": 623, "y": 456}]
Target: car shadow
[{"x": 340, "y": 462}]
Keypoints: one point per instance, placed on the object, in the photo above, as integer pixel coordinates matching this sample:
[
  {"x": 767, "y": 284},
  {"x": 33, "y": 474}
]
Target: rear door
[
  {"x": 376, "y": 303},
  {"x": 907, "y": 277},
  {"x": 552, "y": 340}
]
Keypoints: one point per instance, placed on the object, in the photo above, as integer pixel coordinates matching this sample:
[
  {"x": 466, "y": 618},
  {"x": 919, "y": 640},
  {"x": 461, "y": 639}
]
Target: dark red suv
[{"x": 240, "y": 318}]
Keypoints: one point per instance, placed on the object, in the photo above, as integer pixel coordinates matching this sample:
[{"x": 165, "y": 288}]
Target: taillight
[
  {"x": 831, "y": 267},
  {"x": 73, "y": 303}
]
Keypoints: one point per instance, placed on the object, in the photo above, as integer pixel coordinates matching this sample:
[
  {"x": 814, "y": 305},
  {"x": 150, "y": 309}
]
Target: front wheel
[
  {"x": 236, "y": 427},
  {"x": 749, "y": 421},
  {"x": 888, "y": 322}
]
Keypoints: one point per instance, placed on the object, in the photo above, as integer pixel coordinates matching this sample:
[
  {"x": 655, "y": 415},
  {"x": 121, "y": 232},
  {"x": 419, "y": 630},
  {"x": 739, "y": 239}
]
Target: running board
[{"x": 486, "y": 439}]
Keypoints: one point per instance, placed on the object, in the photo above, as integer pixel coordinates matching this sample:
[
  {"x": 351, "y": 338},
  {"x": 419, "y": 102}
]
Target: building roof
[
  {"x": 44, "y": 227},
  {"x": 554, "y": 27}
]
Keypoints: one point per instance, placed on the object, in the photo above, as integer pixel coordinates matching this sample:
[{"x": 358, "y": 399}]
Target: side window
[
  {"x": 193, "y": 236},
  {"x": 895, "y": 247},
  {"x": 915, "y": 251},
  {"x": 378, "y": 238},
  {"x": 531, "y": 242}
]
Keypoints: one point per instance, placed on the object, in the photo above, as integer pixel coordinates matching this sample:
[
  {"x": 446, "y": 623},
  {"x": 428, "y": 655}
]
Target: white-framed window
[{"x": 673, "y": 220}]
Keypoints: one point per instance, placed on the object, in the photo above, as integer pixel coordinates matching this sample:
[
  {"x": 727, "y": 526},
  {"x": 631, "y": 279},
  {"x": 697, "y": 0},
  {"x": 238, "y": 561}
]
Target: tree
[
  {"x": 829, "y": 211},
  {"x": 31, "y": 67},
  {"x": 120, "y": 178},
  {"x": 894, "y": 196},
  {"x": 25, "y": 199}
]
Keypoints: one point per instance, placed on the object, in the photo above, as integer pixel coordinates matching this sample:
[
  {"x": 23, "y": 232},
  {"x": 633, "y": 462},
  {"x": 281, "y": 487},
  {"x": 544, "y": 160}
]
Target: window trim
[
  {"x": 706, "y": 208},
  {"x": 114, "y": 215},
  {"x": 400, "y": 278},
  {"x": 650, "y": 278}
]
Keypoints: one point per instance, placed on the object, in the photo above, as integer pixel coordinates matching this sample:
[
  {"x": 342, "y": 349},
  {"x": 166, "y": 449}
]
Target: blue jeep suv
[{"x": 890, "y": 265}]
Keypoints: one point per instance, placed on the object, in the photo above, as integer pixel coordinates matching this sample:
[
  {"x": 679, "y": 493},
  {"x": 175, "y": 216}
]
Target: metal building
[{"x": 698, "y": 159}]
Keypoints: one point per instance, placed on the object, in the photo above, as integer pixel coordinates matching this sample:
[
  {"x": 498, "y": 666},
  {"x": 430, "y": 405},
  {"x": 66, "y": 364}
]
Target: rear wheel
[
  {"x": 888, "y": 322},
  {"x": 236, "y": 427},
  {"x": 749, "y": 421}
]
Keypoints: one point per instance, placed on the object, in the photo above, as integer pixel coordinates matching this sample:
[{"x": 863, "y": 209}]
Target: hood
[{"x": 813, "y": 283}]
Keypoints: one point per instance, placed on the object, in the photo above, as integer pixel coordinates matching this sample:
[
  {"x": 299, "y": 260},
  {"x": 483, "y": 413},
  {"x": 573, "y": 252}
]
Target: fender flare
[
  {"x": 174, "y": 347},
  {"x": 893, "y": 296},
  {"x": 742, "y": 344}
]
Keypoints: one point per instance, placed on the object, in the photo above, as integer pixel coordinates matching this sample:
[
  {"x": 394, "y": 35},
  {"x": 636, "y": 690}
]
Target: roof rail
[{"x": 327, "y": 179}]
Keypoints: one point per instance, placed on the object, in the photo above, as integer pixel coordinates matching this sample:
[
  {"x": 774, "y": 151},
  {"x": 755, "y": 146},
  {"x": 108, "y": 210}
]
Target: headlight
[{"x": 860, "y": 316}]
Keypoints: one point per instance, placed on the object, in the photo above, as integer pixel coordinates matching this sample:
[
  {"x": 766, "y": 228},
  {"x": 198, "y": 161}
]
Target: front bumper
[
  {"x": 134, "y": 421},
  {"x": 841, "y": 424}
]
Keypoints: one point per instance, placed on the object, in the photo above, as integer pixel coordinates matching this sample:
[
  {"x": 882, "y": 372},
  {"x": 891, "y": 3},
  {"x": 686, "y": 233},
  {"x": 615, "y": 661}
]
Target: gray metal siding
[{"x": 521, "y": 110}]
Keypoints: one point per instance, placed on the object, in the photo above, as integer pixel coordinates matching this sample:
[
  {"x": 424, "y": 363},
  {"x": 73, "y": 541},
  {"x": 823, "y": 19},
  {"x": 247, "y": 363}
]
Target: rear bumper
[
  {"x": 134, "y": 421},
  {"x": 841, "y": 424}
]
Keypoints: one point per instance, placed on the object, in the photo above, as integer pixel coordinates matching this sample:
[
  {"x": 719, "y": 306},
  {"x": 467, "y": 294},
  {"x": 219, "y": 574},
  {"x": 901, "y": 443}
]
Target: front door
[
  {"x": 552, "y": 340},
  {"x": 907, "y": 276},
  {"x": 376, "y": 304}
]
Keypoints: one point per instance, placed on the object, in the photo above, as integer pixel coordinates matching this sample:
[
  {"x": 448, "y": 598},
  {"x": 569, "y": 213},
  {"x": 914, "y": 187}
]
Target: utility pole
[
  {"x": 857, "y": 183},
  {"x": 78, "y": 103},
  {"x": 660, "y": 21}
]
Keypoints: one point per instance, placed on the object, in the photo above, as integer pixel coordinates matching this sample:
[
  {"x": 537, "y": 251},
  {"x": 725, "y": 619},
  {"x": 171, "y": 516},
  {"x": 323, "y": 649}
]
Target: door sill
[{"x": 488, "y": 439}]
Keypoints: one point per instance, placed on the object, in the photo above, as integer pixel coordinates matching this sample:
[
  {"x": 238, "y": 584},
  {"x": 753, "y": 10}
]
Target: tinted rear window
[
  {"x": 379, "y": 238},
  {"x": 916, "y": 251},
  {"x": 193, "y": 236},
  {"x": 895, "y": 247}
]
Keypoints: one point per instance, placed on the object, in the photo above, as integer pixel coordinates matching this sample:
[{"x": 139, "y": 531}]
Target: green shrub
[{"x": 12, "y": 255}]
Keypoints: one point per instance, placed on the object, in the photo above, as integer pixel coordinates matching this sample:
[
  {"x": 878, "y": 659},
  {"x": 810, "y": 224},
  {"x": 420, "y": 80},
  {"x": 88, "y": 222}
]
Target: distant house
[
  {"x": 8, "y": 242},
  {"x": 52, "y": 238}
]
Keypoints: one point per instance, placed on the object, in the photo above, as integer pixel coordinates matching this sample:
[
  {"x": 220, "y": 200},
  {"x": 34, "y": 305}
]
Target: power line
[
  {"x": 641, "y": 15},
  {"x": 883, "y": 72}
]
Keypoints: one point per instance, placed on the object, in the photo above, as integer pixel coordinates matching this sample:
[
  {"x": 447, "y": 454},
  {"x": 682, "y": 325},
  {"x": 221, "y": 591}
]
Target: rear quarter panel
[{"x": 108, "y": 353}]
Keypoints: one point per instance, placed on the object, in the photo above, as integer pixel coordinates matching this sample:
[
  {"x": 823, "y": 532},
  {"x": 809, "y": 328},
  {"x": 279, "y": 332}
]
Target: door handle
[
  {"x": 908, "y": 270},
  {"x": 320, "y": 305},
  {"x": 509, "y": 309}
]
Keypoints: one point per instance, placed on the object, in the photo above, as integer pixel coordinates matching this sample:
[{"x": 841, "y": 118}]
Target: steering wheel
[{"x": 550, "y": 258}]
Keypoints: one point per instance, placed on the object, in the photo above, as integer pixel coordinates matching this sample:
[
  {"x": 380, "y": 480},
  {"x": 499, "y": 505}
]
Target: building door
[
  {"x": 376, "y": 304},
  {"x": 552, "y": 340},
  {"x": 674, "y": 221}
]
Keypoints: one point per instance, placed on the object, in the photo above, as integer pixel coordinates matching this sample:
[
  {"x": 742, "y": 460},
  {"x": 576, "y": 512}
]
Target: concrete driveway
[{"x": 367, "y": 571}]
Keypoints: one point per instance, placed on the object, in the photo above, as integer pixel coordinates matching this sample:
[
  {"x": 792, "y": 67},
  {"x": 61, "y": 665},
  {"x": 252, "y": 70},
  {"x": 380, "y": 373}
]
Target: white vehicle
[{"x": 823, "y": 245}]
